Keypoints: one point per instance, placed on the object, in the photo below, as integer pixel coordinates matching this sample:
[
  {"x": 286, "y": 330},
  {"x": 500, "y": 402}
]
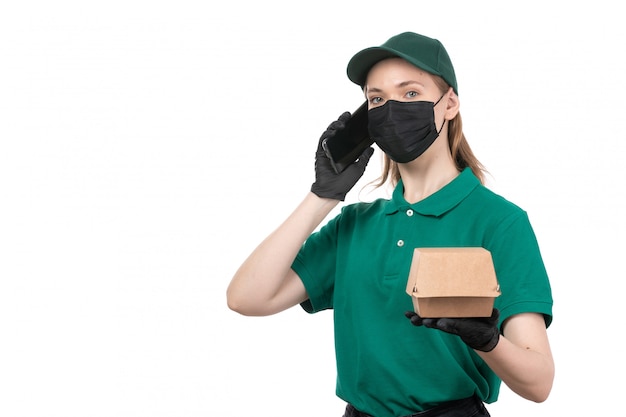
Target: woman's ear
[{"x": 452, "y": 105}]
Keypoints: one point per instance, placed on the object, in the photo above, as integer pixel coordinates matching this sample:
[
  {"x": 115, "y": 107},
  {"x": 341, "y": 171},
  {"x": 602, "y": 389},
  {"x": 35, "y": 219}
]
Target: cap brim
[{"x": 363, "y": 61}]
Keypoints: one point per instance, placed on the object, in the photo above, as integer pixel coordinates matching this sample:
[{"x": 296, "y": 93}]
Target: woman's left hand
[{"x": 480, "y": 333}]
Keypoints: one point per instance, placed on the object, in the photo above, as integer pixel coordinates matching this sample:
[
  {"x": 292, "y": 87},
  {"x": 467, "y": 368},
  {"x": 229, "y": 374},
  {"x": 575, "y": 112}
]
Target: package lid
[{"x": 452, "y": 272}]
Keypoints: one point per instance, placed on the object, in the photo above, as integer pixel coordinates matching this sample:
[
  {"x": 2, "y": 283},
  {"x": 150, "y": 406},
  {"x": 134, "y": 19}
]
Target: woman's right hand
[{"x": 329, "y": 184}]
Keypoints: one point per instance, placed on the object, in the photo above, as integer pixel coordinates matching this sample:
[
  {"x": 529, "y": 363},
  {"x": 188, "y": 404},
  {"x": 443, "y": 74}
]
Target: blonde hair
[{"x": 459, "y": 147}]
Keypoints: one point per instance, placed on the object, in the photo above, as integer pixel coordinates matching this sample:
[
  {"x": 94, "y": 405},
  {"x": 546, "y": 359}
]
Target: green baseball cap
[{"x": 423, "y": 52}]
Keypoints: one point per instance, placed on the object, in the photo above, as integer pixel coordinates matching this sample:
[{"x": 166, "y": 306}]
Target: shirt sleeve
[
  {"x": 520, "y": 269},
  {"x": 316, "y": 266}
]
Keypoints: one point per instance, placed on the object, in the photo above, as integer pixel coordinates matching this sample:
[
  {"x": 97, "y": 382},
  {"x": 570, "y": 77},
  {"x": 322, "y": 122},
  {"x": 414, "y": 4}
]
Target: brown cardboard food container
[{"x": 452, "y": 282}]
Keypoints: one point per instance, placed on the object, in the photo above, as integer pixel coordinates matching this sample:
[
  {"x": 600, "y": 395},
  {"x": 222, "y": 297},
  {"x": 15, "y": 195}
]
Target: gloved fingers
[
  {"x": 431, "y": 323},
  {"x": 365, "y": 156},
  {"x": 480, "y": 333},
  {"x": 345, "y": 116},
  {"x": 454, "y": 324},
  {"x": 330, "y": 132},
  {"x": 361, "y": 163},
  {"x": 339, "y": 123},
  {"x": 327, "y": 183},
  {"x": 414, "y": 318},
  {"x": 443, "y": 324}
]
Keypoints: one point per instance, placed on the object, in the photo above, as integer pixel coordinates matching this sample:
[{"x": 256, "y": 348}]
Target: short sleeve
[
  {"x": 315, "y": 264},
  {"x": 520, "y": 269}
]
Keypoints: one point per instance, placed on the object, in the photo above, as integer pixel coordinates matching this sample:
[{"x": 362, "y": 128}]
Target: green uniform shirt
[{"x": 358, "y": 265}]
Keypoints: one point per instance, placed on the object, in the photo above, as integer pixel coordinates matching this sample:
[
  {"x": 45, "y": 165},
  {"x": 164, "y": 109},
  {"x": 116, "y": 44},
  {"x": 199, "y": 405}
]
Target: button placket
[
  {"x": 409, "y": 212},
  {"x": 400, "y": 240}
]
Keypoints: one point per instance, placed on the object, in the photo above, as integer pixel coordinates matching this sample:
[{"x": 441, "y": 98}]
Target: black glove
[
  {"x": 480, "y": 333},
  {"x": 329, "y": 184}
]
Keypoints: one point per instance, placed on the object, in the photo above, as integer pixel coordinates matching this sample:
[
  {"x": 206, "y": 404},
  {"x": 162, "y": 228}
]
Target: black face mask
[{"x": 404, "y": 130}]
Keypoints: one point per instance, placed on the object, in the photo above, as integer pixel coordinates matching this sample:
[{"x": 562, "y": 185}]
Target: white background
[{"x": 147, "y": 147}]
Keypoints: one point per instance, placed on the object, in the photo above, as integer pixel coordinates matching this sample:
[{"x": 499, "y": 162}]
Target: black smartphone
[{"x": 347, "y": 144}]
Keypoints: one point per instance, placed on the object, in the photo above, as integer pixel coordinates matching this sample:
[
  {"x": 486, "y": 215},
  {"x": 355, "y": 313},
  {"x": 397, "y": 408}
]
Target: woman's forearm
[
  {"x": 265, "y": 283},
  {"x": 524, "y": 360}
]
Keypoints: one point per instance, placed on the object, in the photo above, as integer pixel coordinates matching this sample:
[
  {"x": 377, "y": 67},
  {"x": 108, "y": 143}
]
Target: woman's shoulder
[
  {"x": 495, "y": 209},
  {"x": 495, "y": 199},
  {"x": 364, "y": 208}
]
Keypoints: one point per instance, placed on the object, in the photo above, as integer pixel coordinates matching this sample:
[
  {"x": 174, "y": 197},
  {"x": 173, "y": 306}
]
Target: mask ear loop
[
  {"x": 441, "y": 128},
  {"x": 444, "y": 120},
  {"x": 437, "y": 102}
]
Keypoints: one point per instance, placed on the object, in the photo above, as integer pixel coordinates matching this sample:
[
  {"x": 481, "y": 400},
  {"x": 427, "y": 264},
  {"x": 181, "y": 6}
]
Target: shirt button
[
  {"x": 400, "y": 243},
  {"x": 409, "y": 212}
]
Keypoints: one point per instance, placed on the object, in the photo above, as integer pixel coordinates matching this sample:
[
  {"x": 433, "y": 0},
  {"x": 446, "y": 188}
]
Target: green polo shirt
[{"x": 358, "y": 265}]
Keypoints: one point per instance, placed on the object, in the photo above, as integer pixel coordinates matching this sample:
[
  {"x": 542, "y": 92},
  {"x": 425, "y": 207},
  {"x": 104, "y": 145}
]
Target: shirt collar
[{"x": 438, "y": 203}]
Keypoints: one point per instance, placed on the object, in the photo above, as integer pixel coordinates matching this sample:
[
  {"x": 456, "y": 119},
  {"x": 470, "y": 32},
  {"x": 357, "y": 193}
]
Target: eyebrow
[{"x": 400, "y": 85}]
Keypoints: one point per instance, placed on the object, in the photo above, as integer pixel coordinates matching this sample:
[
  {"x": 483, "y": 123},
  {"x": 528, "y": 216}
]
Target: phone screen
[{"x": 347, "y": 144}]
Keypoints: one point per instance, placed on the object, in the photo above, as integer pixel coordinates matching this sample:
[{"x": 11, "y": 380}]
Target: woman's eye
[
  {"x": 411, "y": 94},
  {"x": 375, "y": 100}
]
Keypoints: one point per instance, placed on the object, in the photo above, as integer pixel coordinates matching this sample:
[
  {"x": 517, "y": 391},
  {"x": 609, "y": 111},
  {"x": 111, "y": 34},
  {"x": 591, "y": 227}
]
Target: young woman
[{"x": 390, "y": 361}]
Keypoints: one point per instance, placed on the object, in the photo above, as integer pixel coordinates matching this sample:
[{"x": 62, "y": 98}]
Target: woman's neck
[{"x": 426, "y": 175}]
